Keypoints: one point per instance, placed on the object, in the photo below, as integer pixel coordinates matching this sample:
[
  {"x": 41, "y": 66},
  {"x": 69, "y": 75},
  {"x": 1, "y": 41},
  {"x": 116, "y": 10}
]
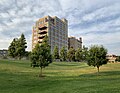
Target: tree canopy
[
  {"x": 21, "y": 46},
  {"x": 63, "y": 54},
  {"x": 84, "y": 53},
  {"x": 41, "y": 56},
  {"x": 12, "y": 48},
  {"x": 97, "y": 56},
  {"x": 71, "y": 54},
  {"x": 78, "y": 55},
  {"x": 56, "y": 53},
  {"x": 17, "y": 47}
]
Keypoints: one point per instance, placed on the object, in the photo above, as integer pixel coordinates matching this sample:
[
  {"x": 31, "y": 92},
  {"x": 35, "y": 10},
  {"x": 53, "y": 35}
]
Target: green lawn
[{"x": 60, "y": 77}]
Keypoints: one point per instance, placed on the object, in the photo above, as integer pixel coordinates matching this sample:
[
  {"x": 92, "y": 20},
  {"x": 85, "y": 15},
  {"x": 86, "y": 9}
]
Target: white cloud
[{"x": 97, "y": 21}]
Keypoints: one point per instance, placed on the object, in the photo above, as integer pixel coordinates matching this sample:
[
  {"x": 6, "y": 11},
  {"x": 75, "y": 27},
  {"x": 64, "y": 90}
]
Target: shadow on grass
[
  {"x": 68, "y": 63},
  {"x": 65, "y": 64},
  {"x": 108, "y": 73},
  {"x": 58, "y": 76},
  {"x": 101, "y": 74}
]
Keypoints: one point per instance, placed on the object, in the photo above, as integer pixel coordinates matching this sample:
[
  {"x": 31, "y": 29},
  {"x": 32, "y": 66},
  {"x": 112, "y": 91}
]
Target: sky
[{"x": 96, "y": 21}]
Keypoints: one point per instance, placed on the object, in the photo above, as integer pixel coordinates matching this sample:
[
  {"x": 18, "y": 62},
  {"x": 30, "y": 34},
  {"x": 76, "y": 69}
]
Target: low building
[
  {"x": 111, "y": 58},
  {"x": 74, "y": 43},
  {"x": 3, "y": 53}
]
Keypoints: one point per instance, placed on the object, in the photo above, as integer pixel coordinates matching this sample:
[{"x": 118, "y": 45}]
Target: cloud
[{"x": 97, "y": 21}]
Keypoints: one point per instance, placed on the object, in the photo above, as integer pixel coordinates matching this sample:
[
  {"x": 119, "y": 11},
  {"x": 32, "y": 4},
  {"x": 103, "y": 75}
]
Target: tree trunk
[
  {"x": 98, "y": 68},
  {"x": 19, "y": 58},
  {"x": 40, "y": 75}
]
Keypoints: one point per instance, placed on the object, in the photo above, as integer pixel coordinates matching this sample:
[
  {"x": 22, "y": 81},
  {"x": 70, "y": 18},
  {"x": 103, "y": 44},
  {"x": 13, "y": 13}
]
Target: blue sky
[{"x": 96, "y": 21}]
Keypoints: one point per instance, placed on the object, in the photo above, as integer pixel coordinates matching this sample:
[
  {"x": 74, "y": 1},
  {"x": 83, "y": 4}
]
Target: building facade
[
  {"x": 74, "y": 43},
  {"x": 111, "y": 58},
  {"x": 56, "y": 29},
  {"x": 3, "y": 53}
]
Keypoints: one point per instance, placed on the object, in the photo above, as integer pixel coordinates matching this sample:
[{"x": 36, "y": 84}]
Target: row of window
[
  {"x": 58, "y": 38},
  {"x": 58, "y": 33},
  {"x": 59, "y": 46},
  {"x": 58, "y": 28},
  {"x": 58, "y": 42}
]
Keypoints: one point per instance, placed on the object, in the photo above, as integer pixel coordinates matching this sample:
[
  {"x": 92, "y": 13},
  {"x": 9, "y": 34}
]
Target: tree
[
  {"x": 27, "y": 54},
  {"x": 63, "y": 54},
  {"x": 21, "y": 46},
  {"x": 78, "y": 55},
  {"x": 84, "y": 53},
  {"x": 56, "y": 53},
  {"x": 12, "y": 48},
  {"x": 71, "y": 54},
  {"x": 97, "y": 56},
  {"x": 41, "y": 56},
  {"x": 118, "y": 59},
  {"x": 17, "y": 47},
  {"x": 35, "y": 56}
]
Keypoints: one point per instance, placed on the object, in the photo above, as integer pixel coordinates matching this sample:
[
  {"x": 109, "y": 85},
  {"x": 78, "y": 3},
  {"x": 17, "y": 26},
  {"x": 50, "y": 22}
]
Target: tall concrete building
[
  {"x": 74, "y": 43},
  {"x": 56, "y": 29}
]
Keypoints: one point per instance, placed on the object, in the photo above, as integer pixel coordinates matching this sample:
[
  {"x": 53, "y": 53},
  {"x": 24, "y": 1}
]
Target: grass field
[{"x": 60, "y": 77}]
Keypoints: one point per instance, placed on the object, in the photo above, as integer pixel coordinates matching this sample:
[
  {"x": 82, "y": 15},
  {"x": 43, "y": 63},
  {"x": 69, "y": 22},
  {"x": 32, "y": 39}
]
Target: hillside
[{"x": 60, "y": 77}]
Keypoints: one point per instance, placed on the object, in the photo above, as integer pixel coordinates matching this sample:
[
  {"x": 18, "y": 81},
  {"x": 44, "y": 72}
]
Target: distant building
[
  {"x": 56, "y": 29},
  {"x": 3, "y": 53},
  {"x": 74, "y": 43},
  {"x": 111, "y": 58}
]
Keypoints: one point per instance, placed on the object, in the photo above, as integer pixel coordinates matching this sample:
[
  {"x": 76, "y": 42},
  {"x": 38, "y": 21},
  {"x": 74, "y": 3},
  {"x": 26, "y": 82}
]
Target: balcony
[
  {"x": 41, "y": 36},
  {"x": 42, "y": 27},
  {"x": 42, "y": 32},
  {"x": 39, "y": 41}
]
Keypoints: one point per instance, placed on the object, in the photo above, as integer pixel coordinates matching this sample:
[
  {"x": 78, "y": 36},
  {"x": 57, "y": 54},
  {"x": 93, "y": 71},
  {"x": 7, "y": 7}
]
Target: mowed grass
[{"x": 60, "y": 77}]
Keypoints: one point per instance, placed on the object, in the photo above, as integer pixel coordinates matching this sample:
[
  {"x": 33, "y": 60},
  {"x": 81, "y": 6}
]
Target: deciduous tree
[
  {"x": 84, "y": 53},
  {"x": 41, "y": 55},
  {"x": 78, "y": 55},
  {"x": 97, "y": 56},
  {"x": 55, "y": 53},
  {"x": 71, "y": 54},
  {"x": 63, "y": 54}
]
